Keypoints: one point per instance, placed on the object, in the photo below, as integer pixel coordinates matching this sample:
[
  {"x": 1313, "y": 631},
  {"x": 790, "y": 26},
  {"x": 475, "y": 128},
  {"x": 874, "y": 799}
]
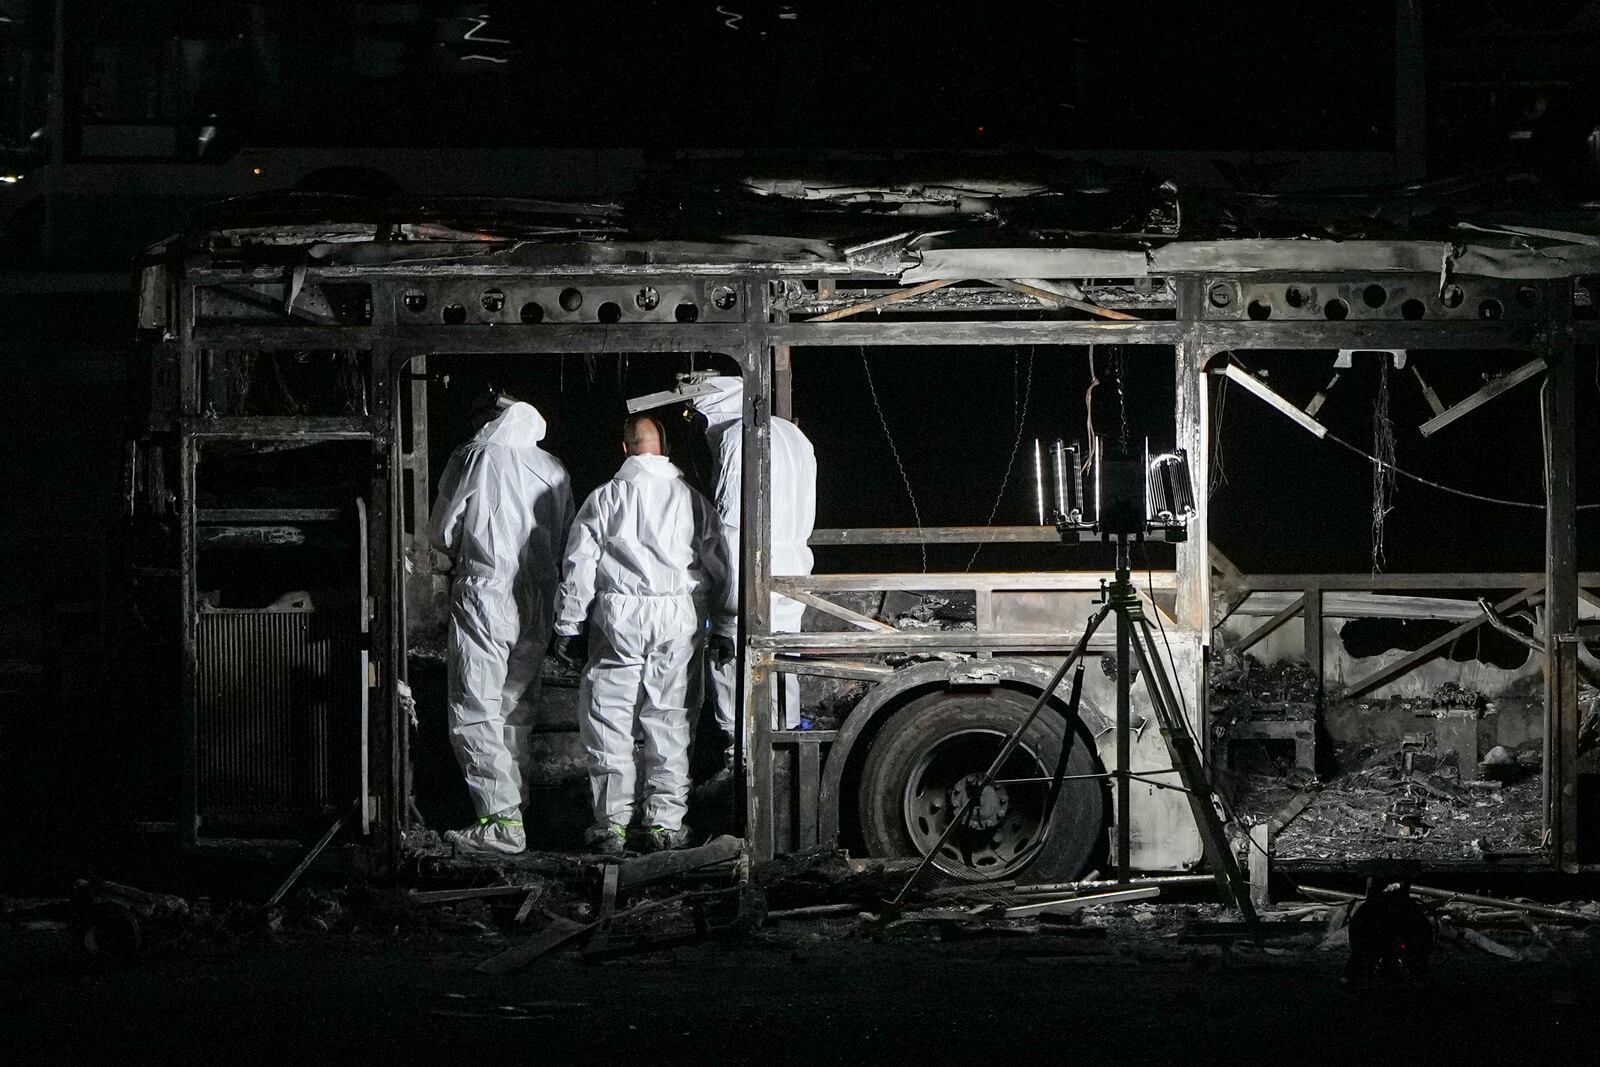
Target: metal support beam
[
  {"x": 1254, "y": 386},
  {"x": 782, "y": 382},
  {"x": 936, "y": 535},
  {"x": 1261, "y": 632},
  {"x": 755, "y": 570},
  {"x": 1482, "y": 396},
  {"x": 832, "y": 668},
  {"x": 1558, "y": 402},
  {"x": 843, "y": 614},
  {"x": 1313, "y": 639}
]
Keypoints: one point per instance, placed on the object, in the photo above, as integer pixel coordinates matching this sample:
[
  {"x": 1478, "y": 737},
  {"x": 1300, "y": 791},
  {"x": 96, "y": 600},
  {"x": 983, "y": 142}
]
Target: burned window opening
[{"x": 1373, "y": 637}]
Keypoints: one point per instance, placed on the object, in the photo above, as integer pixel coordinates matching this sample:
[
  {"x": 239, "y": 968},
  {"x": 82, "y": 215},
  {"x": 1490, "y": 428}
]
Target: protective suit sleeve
[
  {"x": 584, "y": 542},
  {"x": 462, "y": 477},
  {"x": 568, "y": 509},
  {"x": 730, "y": 497},
  {"x": 711, "y": 556}
]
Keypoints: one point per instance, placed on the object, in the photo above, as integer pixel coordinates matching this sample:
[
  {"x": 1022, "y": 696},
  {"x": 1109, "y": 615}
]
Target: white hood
[
  {"x": 518, "y": 426},
  {"x": 647, "y": 466},
  {"x": 723, "y": 406}
]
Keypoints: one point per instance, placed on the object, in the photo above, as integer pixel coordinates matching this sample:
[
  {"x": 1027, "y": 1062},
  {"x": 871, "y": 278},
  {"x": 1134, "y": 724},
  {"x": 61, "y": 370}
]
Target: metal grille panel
[{"x": 278, "y": 705}]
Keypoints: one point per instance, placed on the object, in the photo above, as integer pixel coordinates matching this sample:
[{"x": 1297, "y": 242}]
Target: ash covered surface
[
  {"x": 1244, "y": 689},
  {"x": 1377, "y": 808}
]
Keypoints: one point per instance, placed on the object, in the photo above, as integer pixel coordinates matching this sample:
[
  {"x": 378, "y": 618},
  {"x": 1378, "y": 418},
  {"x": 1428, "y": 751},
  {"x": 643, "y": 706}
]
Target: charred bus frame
[{"x": 1196, "y": 297}]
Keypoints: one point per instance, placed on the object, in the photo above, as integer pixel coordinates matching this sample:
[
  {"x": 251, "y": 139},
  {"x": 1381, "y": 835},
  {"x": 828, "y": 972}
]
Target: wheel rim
[{"x": 1007, "y": 822}]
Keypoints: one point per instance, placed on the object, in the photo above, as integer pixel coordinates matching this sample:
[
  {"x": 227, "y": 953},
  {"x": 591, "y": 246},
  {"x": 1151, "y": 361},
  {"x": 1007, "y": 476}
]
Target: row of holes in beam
[
  {"x": 647, "y": 299},
  {"x": 1376, "y": 296}
]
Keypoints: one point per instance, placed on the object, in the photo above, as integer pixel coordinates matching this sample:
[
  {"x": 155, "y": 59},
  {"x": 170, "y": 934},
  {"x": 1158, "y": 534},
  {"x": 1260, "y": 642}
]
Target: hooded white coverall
[
  {"x": 644, "y": 565},
  {"x": 794, "y": 514},
  {"x": 501, "y": 518}
]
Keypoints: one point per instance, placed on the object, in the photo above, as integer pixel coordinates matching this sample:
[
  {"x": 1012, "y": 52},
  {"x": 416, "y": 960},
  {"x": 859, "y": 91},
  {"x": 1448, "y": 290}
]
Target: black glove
[
  {"x": 561, "y": 649},
  {"x": 722, "y": 650}
]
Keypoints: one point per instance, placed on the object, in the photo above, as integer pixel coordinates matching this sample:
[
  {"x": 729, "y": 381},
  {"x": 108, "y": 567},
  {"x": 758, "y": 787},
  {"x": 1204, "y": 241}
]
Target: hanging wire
[
  {"x": 1016, "y": 442},
  {"x": 1091, "y": 446},
  {"x": 1382, "y": 464},
  {"x": 916, "y": 513},
  {"x": 1440, "y": 486},
  {"x": 1218, "y": 477}
]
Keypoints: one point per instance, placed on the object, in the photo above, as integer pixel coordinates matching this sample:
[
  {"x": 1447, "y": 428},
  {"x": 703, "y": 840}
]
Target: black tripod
[{"x": 1133, "y": 636}]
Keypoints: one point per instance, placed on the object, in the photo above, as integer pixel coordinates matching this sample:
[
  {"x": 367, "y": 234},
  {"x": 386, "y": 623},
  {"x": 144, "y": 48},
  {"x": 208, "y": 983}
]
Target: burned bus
[{"x": 301, "y": 377}]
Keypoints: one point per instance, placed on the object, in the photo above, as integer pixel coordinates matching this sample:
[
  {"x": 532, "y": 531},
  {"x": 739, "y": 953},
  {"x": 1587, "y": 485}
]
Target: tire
[{"x": 910, "y": 778}]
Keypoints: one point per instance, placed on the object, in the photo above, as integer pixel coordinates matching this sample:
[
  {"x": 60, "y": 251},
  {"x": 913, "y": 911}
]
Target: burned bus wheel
[{"x": 932, "y": 753}]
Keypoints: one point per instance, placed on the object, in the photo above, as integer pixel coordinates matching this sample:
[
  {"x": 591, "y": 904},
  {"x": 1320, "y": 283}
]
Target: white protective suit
[
  {"x": 501, "y": 518},
  {"x": 794, "y": 514},
  {"x": 644, "y": 565}
]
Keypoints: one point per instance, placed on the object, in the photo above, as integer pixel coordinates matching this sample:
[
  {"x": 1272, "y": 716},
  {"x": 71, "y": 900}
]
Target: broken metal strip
[
  {"x": 883, "y": 301},
  {"x": 1434, "y": 403},
  {"x": 1493, "y": 617},
  {"x": 1483, "y": 396},
  {"x": 1533, "y": 644},
  {"x": 1293, "y": 608},
  {"x": 843, "y": 614},
  {"x": 1058, "y": 300},
  {"x": 818, "y": 668},
  {"x": 1410, "y": 662},
  {"x": 1322, "y": 396},
  {"x": 1256, "y": 388}
]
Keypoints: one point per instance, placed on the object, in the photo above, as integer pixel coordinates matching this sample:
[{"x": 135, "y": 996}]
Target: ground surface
[{"x": 798, "y": 992}]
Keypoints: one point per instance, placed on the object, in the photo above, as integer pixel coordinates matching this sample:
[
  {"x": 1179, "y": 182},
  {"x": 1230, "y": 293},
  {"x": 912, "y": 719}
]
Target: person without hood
[
  {"x": 501, "y": 519},
  {"x": 794, "y": 513},
  {"x": 645, "y": 564}
]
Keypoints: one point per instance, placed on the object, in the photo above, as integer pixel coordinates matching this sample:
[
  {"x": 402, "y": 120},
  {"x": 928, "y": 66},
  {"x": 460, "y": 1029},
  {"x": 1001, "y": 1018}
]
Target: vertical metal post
[
  {"x": 1192, "y": 423},
  {"x": 1125, "y": 723},
  {"x": 1557, "y": 401},
  {"x": 1313, "y": 639},
  {"x": 782, "y": 383},
  {"x": 188, "y": 465},
  {"x": 389, "y": 732},
  {"x": 755, "y": 585}
]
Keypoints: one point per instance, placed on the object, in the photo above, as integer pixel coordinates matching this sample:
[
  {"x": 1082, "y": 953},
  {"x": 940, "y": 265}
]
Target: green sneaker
[
  {"x": 498, "y": 834},
  {"x": 608, "y": 840}
]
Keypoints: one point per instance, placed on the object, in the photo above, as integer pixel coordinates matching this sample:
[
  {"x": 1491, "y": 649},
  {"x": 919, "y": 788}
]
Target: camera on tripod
[{"x": 1105, "y": 497}]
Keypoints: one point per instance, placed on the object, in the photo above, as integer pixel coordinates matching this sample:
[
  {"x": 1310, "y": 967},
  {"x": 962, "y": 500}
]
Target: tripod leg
[
  {"x": 1180, "y": 745},
  {"x": 1168, "y": 693},
  {"x": 1010, "y": 746},
  {"x": 1124, "y": 751}
]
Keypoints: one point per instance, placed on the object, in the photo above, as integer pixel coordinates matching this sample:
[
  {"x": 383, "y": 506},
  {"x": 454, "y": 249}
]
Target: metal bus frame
[{"x": 1192, "y": 296}]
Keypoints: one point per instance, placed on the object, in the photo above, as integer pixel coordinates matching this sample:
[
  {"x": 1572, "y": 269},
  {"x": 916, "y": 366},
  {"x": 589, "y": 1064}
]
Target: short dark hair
[{"x": 633, "y": 430}]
